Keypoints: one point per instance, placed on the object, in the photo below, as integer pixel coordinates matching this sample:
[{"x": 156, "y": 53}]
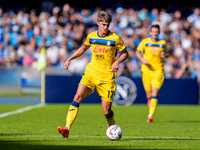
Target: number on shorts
[{"x": 110, "y": 94}]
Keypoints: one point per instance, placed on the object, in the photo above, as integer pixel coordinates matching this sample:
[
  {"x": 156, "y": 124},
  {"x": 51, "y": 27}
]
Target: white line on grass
[
  {"x": 126, "y": 137},
  {"x": 21, "y": 110}
]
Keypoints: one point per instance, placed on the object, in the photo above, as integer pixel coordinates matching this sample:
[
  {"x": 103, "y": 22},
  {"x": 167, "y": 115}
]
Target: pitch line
[
  {"x": 124, "y": 137},
  {"x": 21, "y": 110}
]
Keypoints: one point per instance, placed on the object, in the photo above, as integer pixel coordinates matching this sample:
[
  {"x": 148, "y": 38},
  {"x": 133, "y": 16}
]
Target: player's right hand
[{"x": 66, "y": 64}]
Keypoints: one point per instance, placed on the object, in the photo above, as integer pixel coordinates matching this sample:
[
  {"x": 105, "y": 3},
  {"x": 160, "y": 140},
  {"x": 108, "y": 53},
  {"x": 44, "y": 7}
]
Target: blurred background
[{"x": 62, "y": 26}]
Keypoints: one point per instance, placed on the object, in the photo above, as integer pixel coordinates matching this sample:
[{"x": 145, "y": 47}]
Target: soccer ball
[{"x": 114, "y": 132}]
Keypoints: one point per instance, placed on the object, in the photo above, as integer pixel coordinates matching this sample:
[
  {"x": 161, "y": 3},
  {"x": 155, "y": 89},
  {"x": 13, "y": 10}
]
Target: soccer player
[
  {"x": 152, "y": 68},
  {"x": 100, "y": 73}
]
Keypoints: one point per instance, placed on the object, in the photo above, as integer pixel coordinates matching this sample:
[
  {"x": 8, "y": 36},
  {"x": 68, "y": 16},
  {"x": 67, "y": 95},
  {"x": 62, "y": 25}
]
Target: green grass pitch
[{"x": 174, "y": 127}]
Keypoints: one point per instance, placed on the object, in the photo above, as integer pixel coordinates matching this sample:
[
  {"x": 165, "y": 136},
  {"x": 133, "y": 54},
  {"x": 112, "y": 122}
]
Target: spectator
[
  {"x": 52, "y": 54},
  {"x": 23, "y": 34},
  {"x": 194, "y": 17},
  {"x": 28, "y": 59},
  {"x": 11, "y": 57}
]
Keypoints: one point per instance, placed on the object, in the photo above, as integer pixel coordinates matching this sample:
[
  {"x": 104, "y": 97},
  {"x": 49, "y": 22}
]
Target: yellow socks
[
  {"x": 153, "y": 105},
  {"x": 110, "y": 119},
  {"x": 72, "y": 113}
]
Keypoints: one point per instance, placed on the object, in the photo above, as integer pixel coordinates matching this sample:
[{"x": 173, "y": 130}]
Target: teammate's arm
[
  {"x": 141, "y": 47},
  {"x": 165, "y": 53},
  {"x": 78, "y": 53},
  {"x": 139, "y": 56},
  {"x": 162, "y": 54},
  {"x": 123, "y": 57}
]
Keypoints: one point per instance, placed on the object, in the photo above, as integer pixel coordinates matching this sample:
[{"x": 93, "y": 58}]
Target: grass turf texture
[{"x": 174, "y": 127}]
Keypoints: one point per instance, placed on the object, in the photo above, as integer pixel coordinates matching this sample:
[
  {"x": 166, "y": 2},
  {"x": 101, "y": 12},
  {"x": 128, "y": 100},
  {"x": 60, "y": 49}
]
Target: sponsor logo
[
  {"x": 153, "y": 50},
  {"x": 99, "y": 49},
  {"x": 126, "y": 91},
  {"x": 100, "y": 57}
]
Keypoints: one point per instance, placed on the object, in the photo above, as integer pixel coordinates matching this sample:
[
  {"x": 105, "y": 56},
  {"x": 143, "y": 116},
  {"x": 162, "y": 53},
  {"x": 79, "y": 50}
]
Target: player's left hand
[
  {"x": 115, "y": 66},
  {"x": 162, "y": 54}
]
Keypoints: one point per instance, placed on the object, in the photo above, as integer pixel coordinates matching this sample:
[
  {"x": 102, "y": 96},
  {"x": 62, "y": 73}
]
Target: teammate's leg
[
  {"x": 157, "y": 82},
  {"x": 146, "y": 80},
  {"x": 106, "y": 106},
  {"x": 154, "y": 101},
  {"x": 148, "y": 95},
  {"x": 153, "y": 104},
  {"x": 81, "y": 93}
]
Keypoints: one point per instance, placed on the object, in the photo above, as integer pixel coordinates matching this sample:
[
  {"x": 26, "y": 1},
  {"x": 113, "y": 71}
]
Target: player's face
[
  {"x": 154, "y": 32},
  {"x": 103, "y": 27}
]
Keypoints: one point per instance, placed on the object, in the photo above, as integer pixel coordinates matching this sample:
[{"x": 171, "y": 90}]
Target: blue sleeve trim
[
  {"x": 124, "y": 49},
  {"x": 86, "y": 45}
]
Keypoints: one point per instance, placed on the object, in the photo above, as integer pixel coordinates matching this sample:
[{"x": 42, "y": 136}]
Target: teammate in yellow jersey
[
  {"x": 100, "y": 73},
  {"x": 152, "y": 67}
]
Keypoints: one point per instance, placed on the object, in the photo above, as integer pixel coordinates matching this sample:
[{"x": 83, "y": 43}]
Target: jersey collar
[
  {"x": 154, "y": 41},
  {"x": 104, "y": 35}
]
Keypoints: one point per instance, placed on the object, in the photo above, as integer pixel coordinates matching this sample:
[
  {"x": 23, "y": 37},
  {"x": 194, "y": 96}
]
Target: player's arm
[
  {"x": 78, "y": 53},
  {"x": 122, "y": 58},
  {"x": 140, "y": 48},
  {"x": 165, "y": 53},
  {"x": 139, "y": 56}
]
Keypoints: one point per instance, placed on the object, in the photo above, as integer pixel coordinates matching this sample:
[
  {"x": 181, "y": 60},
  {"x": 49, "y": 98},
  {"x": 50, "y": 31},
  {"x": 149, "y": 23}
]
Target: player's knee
[
  {"x": 154, "y": 94},
  {"x": 77, "y": 98}
]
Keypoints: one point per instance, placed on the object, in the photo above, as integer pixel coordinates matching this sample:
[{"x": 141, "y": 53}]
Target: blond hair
[{"x": 104, "y": 16}]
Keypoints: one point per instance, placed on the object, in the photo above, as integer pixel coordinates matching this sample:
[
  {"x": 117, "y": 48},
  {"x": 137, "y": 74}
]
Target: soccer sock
[
  {"x": 153, "y": 105},
  {"x": 110, "y": 118},
  {"x": 72, "y": 113}
]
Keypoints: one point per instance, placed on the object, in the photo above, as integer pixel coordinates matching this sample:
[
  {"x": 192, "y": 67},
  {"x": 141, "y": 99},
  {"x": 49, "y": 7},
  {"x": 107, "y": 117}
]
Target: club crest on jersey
[
  {"x": 99, "y": 49},
  {"x": 108, "y": 43}
]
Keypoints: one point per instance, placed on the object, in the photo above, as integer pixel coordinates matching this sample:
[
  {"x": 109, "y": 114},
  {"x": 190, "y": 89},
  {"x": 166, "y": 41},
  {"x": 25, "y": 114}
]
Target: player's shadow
[
  {"x": 36, "y": 145},
  {"x": 22, "y": 145}
]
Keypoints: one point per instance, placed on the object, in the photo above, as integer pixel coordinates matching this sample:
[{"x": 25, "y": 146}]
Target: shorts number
[{"x": 110, "y": 94}]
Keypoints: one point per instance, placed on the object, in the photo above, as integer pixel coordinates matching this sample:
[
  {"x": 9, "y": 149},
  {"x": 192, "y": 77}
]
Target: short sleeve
[
  {"x": 120, "y": 44},
  {"x": 87, "y": 42},
  {"x": 141, "y": 46}
]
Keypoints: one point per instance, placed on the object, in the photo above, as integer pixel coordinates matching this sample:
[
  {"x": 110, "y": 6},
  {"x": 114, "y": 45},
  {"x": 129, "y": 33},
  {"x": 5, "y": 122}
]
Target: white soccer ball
[{"x": 114, "y": 132}]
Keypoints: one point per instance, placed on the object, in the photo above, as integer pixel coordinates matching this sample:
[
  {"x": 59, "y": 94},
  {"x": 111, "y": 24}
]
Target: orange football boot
[
  {"x": 150, "y": 119},
  {"x": 63, "y": 131}
]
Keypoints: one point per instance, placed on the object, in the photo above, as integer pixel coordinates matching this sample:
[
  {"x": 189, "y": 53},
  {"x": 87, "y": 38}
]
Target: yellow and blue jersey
[
  {"x": 104, "y": 50},
  {"x": 151, "y": 51}
]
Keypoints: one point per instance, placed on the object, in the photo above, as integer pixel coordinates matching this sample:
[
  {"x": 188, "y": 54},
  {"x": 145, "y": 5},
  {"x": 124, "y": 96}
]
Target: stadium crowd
[{"x": 63, "y": 30}]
